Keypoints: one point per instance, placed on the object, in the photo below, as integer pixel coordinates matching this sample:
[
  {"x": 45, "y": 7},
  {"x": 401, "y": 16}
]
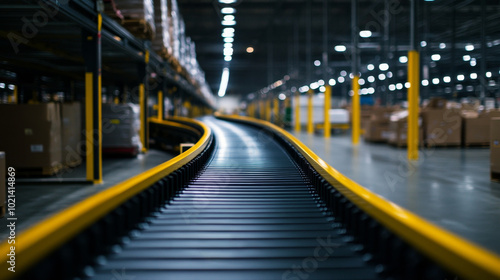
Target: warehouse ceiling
[{"x": 278, "y": 32}]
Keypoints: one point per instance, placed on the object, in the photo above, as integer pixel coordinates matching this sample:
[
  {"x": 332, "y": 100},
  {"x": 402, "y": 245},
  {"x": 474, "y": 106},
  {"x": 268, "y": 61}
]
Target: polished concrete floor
[
  {"x": 37, "y": 201},
  {"x": 449, "y": 187}
]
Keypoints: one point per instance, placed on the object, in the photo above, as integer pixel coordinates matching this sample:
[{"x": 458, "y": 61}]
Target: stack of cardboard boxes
[
  {"x": 42, "y": 135},
  {"x": 476, "y": 130},
  {"x": 398, "y": 129},
  {"x": 495, "y": 148},
  {"x": 377, "y": 127}
]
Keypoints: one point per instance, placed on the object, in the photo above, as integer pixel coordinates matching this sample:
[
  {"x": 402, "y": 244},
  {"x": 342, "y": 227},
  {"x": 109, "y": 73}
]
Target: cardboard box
[
  {"x": 71, "y": 133},
  {"x": 442, "y": 127},
  {"x": 377, "y": 131},
  {"x": 3, "y": 189},
  {"x": 437, "y": 103},
  {"x": 398, "y": 129},
  {"x": 495, "y": 148},
  {"x": 476, "y": 129},
  {"x": 32, "y": 136}
]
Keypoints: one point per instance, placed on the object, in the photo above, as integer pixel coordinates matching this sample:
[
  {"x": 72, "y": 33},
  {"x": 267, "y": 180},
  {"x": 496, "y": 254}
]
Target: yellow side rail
[
  {"x": 447, "y": 249},
  {"x": 38, "y": 241}
]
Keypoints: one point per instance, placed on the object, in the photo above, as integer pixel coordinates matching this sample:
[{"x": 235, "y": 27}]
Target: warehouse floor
[
  {"x": 35, "y": 201},
  {"x": 449, "y": 187}
]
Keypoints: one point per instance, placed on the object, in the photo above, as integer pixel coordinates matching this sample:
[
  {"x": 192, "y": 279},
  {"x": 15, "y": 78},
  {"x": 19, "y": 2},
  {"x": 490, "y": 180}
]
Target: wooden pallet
[
  {"x": 40, "y": 171},
  {"x": 443, "y": 145},
  {"x": 480, "y": 145},
  {"x": 495, "y": 176}
]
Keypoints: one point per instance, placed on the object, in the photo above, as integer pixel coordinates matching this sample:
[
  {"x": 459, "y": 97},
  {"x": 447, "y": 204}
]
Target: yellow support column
[
  {"x": 276, "y": 110},
  {"x": 328, "y": 97},
  {"x": 413, "y": 100},
  {"x": 268, "y": 110},
  {"x": 262, "y": 110},
  {"x": 160, "y": 105},
  {"x": 142, "y": 116},
  {"x": 310, "y": 126},
  {"x": 355, "y": 110},
  {"x": 297, "y": 112}
]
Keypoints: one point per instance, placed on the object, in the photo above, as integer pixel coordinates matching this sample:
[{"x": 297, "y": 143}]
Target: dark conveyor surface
[{"x": 250, "y": 214}]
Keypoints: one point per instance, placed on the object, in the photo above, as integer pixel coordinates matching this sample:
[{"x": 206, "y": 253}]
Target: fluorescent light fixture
[
  {"x": 223, "y": 82},
  {"x": 340, "y": 48},
  {"x": 488, "y": 74},
  {"x": 466, "y": 57},
  {"x": 473, "y": 76},
  {"x": 228, "y": 51},
  {"x": 228, "y": 30},
  {"x": 435, "y": 57},
  {"x": 381, "y": 76},
  {"x": 228, "y": 10},
  {"x": 321, "y": 82},
  {"x": 447, "y": 79},
  {"x": 228, "y": 22},
  {"x": 371, "y": 90},
  {"x": 389, "y": 74},
  {"x": 459, "y": 87},
  {"x": 383, "y": 67},
  {"x": 371, "y": 79},
  {"x": 332, "y": 82},
  {"x": 343, "y": 73},
  {"x": 370, "y": 67},
  {"x": 317, "y": 63},
  {"x": 399, "y": 86},
  {"x": 314, "y": 85},
  {"x": 227, "y": 1},
  {"x": 228, "y": 45},
  {"x": 423, "y": 44},
  {"x": 228, "y": 40},
  {"x": 460, "y": 77},
  {"x": 403, "y": 59},
  {"x": 469, "y": 47},
  {"x": 228, "y": 35},
  {"x": 351, "y": 75},
  {"x": 442, "y": 46},
  {"x": 365, "y": 33},
  {"x": 361, "y": 82},
  {"x": 322, "y": 89},
  {"x": 228, "y": 58},
  {"x": 282, "y": 96},
  {"x": 303, "y": 89},
  {"x": 228, "y": 17},
  {"x": 435, "y": 81},
  {"x": 2, "y": 85},
  {"x": 407, "y": 85},
  {"x": 473, "y": 62},
  {"x": 341, "y": 79},
  {"x": 250, "y": 50},
  {"x": 392, "y": 87},
  {"x": 425, "y": 83}
]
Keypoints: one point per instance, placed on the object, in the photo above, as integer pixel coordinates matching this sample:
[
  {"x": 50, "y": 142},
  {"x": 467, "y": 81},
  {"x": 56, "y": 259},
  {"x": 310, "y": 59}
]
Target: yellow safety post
[
  {"x": 413, "y": 100},
  {"x": 251, "y": 110},
  {"x": 328, "y": 97},
  {"x": 310, "y": 127},
  {"x": 160, "y": 105},
  {"x": 276, "y": 110},
  {"x": 355, "y": 110},
  {"x": 262, "y": 110},
  {"x": 297, "y": 112},
  {"x": 14, "y": 96},
  {"x": 142, "y": 128},
  {"x": 268, "y": 110}
]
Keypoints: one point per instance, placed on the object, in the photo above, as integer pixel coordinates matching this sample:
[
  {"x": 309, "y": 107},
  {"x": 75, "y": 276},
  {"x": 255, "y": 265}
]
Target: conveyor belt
[{"x": 250, "y": 214}]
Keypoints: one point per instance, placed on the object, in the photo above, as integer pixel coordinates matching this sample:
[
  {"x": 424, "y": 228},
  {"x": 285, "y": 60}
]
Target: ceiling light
[
  {"x": 466, "y": 57},
  {"x": 473, "y": 76},
  {"x": 370, "y": 67},
  {"x": 365, "y": 33},
  {"x": 228, "y": 45},
  {"x": 442, "y": 46},
  {"x": 2, "y": 85},
  {"x": 435, "y": 81},
  {"x": 459, "y": 87},
  {"x": 403, "y": 59},
  {"x": 322, "y": 89},
  {"x": 228, "y": 58},
  {"x": 423, "y": 44},
  {"x": 340, "y": 48},
  {"x": 228, "y": 22},
  {"x": 11, "y": 87},
  {"x": 303, "y": 89},
  {"x": 343, "y": 73},
  {"x": 371, "y": 90},
  {"x": 460, "y": 77},
  {"x": 282, "y": 96},
  {"x": 469, "y": 47},
  {"x": 383, "y": 67},
  {"x": 371, "y": 79},
  {"x": 228, "y": 40},
  {"x": 341, "y": 79},
  {"x": 228, "y": 10},
  {"x": 228, "y": 51},
  {"x": 446, "y": 79},
  {"x": 314, "y": 85},
  {"x": 473, "y": 62},
  {"x": 332, "y": 82},
  {"x": 435, "y": 57},
  {"x": 389, "y": 74},
  {"x": 488, "y": 74},
  {"x": 399, "y": 86},
  {"x": 361, "y": 82},
  {"x": 317, "y": 63},
  {"x": 381, "y": 77},
  {"x": 321, "y": 82},
  {"x": 407, "y": 85},
  {"x": 227, "y": 1},
  {"x": 223, "y": 82},
  {"x": 229, "y": 17},
  {"x": 392, "y": 87},
  {"x": 250, "y": 50},
  {"x": 425, "y": 83}
]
